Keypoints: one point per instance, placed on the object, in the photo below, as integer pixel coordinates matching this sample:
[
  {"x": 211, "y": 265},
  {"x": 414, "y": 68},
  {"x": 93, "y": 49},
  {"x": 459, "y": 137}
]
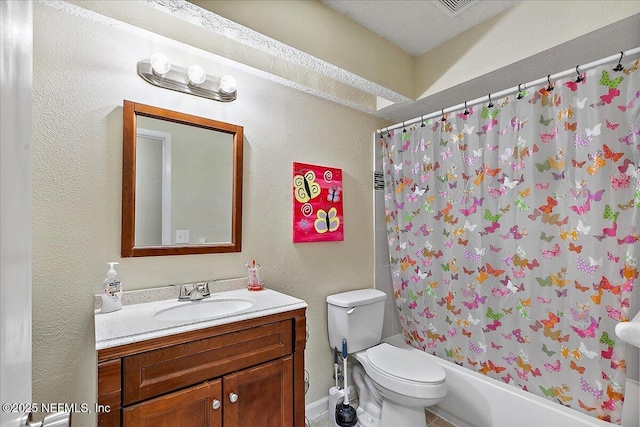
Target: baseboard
[
  {"x": 315, "y": 409},
  {"x": 320, "y": 406}
]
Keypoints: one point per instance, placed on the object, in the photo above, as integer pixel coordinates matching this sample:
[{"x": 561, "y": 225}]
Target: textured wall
[{"x": 82, "y": 72}]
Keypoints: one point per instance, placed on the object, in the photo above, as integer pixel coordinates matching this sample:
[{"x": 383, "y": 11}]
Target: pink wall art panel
[{"x": 317, "y": 204}]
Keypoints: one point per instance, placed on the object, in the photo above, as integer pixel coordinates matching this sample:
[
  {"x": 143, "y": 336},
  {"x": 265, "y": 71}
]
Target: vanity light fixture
[
  {"x": 160, "y": 64},
  {"x": 194, "y": 80},
  {"x": 196, "y": 75}
]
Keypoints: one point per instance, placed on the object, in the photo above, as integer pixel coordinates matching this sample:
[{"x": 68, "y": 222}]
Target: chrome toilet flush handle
[{"x": 351, "y": 310}]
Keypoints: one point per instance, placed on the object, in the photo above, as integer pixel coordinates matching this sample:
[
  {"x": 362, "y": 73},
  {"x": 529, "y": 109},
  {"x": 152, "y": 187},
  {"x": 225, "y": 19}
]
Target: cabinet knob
[
  {"x": 233, "y": 398},
  {"x": 216, "y": 404}
]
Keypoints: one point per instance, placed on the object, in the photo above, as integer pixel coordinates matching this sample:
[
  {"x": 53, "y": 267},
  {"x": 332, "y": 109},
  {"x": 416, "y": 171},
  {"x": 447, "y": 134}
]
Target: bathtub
[{"x": 475, "y": 400}]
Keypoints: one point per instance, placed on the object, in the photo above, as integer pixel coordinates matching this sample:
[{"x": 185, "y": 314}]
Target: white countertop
[{"x": 136, "y": 322}]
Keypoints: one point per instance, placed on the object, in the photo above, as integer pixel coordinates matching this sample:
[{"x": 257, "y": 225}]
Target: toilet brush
[{"x": 346, "y": 415}]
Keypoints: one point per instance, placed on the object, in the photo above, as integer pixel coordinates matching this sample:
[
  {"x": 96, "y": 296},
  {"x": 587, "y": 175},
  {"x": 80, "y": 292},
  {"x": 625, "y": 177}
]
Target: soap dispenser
[{"x": 111, "y": 291}]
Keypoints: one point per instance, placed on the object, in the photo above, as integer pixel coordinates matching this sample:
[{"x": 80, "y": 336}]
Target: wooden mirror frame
[{"x": 128, "y": 249}]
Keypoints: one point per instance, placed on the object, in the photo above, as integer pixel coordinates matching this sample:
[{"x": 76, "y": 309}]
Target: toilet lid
[{"x": 406, "y": 364}]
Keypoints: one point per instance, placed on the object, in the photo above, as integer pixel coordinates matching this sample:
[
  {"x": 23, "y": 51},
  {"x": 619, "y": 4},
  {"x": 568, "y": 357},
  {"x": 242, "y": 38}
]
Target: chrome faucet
[{"x": 193, "y": 291}]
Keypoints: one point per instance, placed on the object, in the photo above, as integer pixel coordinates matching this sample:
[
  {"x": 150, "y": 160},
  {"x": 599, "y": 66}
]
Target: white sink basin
[{"x": 201, "y": 310}]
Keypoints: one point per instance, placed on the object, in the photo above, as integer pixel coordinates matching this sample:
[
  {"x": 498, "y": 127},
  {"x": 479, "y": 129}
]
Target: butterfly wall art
[{"x": 317, "y": 204}]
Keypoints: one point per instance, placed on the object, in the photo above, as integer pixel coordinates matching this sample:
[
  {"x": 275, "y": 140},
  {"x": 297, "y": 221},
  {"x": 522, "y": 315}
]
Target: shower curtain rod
[{"x": 519, "y": 88}]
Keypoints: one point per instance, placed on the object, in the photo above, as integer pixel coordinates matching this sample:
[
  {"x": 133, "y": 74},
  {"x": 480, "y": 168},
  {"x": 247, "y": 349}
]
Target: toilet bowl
[
  {"x": 394, "y": 384},
  {"x": 402, "y": 383}
]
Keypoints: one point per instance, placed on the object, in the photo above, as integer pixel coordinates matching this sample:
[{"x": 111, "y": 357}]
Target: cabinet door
[
  {"x": 192, "y": 407},
  {"x": 260, "y": 396}
]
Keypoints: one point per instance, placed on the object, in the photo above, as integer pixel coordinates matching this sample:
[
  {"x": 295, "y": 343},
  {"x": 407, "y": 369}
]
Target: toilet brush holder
[{"x": 336, "y": 396}]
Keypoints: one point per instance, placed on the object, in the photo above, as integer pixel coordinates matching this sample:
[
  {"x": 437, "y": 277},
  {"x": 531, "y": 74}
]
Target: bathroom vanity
[{"x": 238, "y": 369}]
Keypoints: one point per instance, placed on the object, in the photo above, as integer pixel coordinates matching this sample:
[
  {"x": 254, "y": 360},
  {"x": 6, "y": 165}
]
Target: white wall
[{"x": 82, "y": 72}]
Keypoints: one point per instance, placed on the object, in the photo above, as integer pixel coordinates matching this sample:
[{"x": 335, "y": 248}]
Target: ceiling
[{"x": 418, "y": 26}]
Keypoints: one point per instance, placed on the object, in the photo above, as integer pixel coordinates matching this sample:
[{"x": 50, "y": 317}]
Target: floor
[{"x": 433, "y": 420}]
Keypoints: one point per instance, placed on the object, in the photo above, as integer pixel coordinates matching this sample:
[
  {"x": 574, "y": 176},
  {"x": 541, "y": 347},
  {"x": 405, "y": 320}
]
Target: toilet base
[
  {"x": 368, "y": 415},
  {"x": 392, "y": 416},
  {"x": 397, "y": 415}
]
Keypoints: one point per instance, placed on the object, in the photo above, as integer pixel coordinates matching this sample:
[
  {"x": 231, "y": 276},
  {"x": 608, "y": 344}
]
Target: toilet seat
[
  {"x": 405, "y": 364},
  {"x": 405, "y": 371}
]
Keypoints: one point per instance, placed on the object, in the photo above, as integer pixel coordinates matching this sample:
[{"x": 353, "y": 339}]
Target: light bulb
[
  {"x": 196, "y": 74},
  {"x": 228, "y": 84},
  {"x": 160, "y": 63}
]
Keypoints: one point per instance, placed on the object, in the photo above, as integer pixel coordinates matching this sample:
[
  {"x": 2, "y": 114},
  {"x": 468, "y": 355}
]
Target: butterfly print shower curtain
[{"x": 514, "y": 235}]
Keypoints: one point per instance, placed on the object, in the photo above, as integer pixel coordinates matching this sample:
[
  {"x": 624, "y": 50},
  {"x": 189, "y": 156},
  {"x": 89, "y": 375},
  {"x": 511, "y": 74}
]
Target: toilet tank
[{"x": 356, "y": 316}]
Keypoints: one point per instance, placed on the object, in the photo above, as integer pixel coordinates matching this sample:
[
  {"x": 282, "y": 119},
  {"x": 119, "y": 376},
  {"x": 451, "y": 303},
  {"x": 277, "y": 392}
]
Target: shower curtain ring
[
  {"x": 550, "y": 86},
  {"x": 579, "y": 78},
  {"x": 466, "y": 111},
  {"x": 444, "y": 119},
  {"x": 619, "y": 66},
  {"x": 520, "y": 96},
  {"x": 422, "y": 121},
  {"x": 490, "y": 105},
  {"x": 404, "y": 130}
]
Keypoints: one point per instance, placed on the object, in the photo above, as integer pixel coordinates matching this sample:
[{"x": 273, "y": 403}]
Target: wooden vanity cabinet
[{"x": 244, "y": 373}]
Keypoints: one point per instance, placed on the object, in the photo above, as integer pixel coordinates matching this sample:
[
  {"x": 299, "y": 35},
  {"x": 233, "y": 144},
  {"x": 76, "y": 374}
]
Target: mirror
[{"x": 181, "y": 183}]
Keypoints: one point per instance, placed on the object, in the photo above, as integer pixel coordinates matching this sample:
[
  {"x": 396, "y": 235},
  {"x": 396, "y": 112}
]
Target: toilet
[{"x": 394, "y": 384}]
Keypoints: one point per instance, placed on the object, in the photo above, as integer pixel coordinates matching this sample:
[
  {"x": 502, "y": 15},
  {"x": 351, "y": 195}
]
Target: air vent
[{"x": 454, "y": 7}]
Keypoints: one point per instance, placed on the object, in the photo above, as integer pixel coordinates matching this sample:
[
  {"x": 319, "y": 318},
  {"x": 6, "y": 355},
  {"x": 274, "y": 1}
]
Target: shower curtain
[{"x": 514, "y": 229}]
